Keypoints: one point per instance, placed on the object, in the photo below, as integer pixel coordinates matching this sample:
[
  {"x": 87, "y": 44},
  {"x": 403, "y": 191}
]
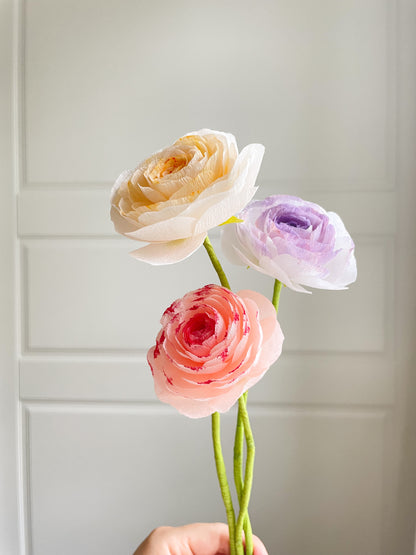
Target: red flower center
[{"x": 199, "y": 328}]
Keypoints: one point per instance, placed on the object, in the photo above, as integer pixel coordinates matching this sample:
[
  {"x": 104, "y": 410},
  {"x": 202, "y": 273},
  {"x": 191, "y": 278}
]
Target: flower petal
[
  {"x": 178, "y": 227},
  {"x": 213, "y": 346},
  {"x": 122, "y": 224},
  {"x": 184, "y": 190},
  {"x": 239, "y": 190},
  {"x": 294, "y": 241},
  {"x": 169, "y": 252}
]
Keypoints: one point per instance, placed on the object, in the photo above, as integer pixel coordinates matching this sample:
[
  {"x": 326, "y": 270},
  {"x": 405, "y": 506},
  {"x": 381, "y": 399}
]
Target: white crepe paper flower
[
  {"x": 174, "y": 197},
  {"x": 294, "y": 241}
]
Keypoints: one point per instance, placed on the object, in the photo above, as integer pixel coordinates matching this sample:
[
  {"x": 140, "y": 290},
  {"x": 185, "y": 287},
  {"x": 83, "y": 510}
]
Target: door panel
[{"x": 328, "y": 87}]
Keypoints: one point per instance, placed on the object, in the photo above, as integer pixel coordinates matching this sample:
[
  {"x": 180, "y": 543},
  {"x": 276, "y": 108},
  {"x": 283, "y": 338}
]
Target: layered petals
[
  {"x": 294, "y": 241},
  {"x": 213, "y": 346},
  {"x": 182, "y": 191}
]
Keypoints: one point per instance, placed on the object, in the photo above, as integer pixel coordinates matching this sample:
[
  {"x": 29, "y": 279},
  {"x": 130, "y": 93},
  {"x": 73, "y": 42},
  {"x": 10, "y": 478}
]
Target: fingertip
[{"x": 259, "y": 547}]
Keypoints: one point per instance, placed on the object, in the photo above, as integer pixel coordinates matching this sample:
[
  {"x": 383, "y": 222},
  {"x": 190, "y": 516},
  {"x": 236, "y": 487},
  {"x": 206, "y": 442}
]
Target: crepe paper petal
[
  {"x": 213, "y": 346},
  {"x": 182, "y": 191},
  {"x": 294, "y": 241},
  {"x": 170, "y": 252}
]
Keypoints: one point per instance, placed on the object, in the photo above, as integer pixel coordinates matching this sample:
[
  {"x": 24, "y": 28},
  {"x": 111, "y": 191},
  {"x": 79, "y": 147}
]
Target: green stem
[
  {"x": 235, "y": 547},
  {"x": 238, "y": 453},
  {"x": 222, "y": 478},
  {"x": 276, "y": 294},
  {"x": 238, "y": 474},
  {"x": 216, "y": 263},
  {"x": 219, "y": 459},
  {"x": 248, "y": 478}
]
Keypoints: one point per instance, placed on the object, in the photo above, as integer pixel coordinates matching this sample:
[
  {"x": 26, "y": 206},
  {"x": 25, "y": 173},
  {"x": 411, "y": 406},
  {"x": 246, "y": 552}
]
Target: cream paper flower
[{"x": 174, "y": 197}]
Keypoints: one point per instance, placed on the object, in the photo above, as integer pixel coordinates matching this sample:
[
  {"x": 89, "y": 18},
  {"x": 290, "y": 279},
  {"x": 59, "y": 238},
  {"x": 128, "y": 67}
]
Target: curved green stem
[
  {"x": 216, "y": 263},
  {"x": 222, "y": 478},
  {"x": 219, "y": 459},
  {"x": 238, "y": 474},
  {"x": 238, "y": 453},
  {"x": 236, "y": 545},
  {"x": 248, "y": 478},
  {"x": 276, "y": 294}
]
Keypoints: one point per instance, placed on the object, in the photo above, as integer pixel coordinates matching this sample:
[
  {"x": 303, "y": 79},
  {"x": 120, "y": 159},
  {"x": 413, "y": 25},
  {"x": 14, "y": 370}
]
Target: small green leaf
[{"x": 232, "y": 220}]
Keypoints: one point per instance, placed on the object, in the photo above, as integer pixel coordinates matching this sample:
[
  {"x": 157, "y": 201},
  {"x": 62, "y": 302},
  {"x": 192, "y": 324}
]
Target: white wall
[
  {"x": 327, "y": 87},
  {"x": 9, "y": 533}
]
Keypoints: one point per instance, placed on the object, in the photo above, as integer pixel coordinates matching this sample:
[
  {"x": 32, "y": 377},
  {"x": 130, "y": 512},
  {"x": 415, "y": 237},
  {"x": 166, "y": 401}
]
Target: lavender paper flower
[{"x": 294, "y": 241}]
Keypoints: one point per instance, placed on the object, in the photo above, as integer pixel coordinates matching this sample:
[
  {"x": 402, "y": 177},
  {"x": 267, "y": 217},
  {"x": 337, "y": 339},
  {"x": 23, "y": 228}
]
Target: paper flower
[
  {"x": 213, "y": 346},
  {"x": 294, "y": 241},
  {"x": 174, "y": 197}
]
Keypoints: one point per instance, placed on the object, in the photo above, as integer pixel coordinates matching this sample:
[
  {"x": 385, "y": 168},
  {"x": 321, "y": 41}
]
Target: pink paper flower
[
  {"x": 294, "y": 241},
  {"x": 213, "y": 346}
]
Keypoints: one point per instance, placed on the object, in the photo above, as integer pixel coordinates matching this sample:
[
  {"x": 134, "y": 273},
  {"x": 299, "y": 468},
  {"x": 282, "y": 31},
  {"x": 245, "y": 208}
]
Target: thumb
[{"x": 259, "y": 547}]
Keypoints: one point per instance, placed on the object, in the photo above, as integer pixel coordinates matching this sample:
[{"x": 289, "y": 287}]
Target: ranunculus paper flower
[
  {"x": 174, "y": 197},
  {"x": 294, "y": 241},
  {"x": 213, "y": 346}
]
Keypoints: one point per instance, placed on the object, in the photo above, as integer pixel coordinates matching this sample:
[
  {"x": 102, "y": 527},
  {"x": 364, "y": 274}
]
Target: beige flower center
[
  {"x": 167, "y": 166},
  {"x": 175, "y": 177}
]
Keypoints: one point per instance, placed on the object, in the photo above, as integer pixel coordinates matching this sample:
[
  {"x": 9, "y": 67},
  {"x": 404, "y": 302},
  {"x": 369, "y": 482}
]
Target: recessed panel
[
  {"x": 101, "y": 478},
  {"x": 75, "y": 299},
  {"x": 349, "y": 320},
  {"x": 93, "y": 295},
  {"x": 313, "y": 379},
  {"x": 50, "y": 212},
  {"x": 107, "y": 83}
]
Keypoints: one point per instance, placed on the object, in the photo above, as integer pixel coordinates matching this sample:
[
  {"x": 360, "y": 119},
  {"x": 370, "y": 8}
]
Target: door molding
[{"x": 9, "y": 489}]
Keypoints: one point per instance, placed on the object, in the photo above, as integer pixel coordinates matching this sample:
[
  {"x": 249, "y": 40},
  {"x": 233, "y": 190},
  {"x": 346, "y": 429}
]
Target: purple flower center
[{"x": 292, "y": 219}]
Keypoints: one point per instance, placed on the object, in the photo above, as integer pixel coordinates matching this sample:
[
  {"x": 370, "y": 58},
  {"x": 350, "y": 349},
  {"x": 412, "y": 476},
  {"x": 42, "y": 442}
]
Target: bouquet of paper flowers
[{"x": 215, "y": 344}]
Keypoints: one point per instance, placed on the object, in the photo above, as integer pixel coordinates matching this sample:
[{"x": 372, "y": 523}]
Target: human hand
[{"x": 192, "y": 539}]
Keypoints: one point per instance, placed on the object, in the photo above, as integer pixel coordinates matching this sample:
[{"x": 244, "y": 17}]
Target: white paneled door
[{"x": 90, "y": 460}]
